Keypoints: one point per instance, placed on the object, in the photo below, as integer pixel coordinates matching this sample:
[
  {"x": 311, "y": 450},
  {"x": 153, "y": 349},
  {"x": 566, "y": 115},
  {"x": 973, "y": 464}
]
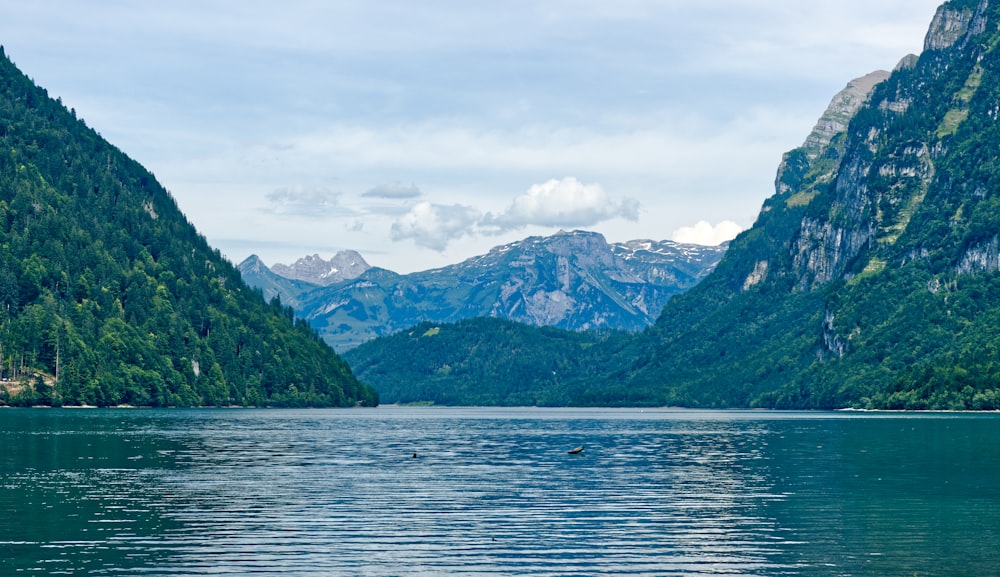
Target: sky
[{"x": 423, "y": 133}]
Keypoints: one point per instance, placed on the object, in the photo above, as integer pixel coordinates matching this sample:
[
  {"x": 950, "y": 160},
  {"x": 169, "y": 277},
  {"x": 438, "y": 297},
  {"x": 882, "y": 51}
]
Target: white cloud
[
  {"x": 394, "y": 190},
  {"x": 705, "y": 234},
  {"x": 434, "y": 226},
  {"x": 302, "y": 201},
  {"x": 556, "y": 203},
  {"x": 563, "y": 203}
]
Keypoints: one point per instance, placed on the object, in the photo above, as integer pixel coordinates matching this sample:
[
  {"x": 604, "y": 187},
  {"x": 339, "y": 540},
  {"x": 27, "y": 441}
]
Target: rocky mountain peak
[
  {"x": 253, "y": 263},
  {"x": 817, "y": 156},
  {"x": 345, "y": 265},
  {"x": 906, "y": 62},
  {"x": 587, "y": 245},
  {"x": 841, "y": 110}
]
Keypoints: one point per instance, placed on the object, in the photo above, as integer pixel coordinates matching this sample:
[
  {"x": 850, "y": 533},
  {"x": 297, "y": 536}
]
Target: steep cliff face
[
  {"x": 955, "y": 23},
  {"x": 883, "y": 176},
  {"x": 846, "y": 290},
  {"x": 981, "y": 258},
  {"x": 841, "y": 110}
]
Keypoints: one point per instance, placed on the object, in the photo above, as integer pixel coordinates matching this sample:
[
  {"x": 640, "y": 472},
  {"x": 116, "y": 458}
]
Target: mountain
[
  {"x": 867, "y": 280},
  {"x": 668, "y": 263},
  {"x": 290, "y": 282},
  {"x": 345, "y": 265},
  {"x": 570, "y": 280},
  {"x": 257, "y": 275},
  {"x": 871, "y": 278},
  {"x": 109, "y": 296}
]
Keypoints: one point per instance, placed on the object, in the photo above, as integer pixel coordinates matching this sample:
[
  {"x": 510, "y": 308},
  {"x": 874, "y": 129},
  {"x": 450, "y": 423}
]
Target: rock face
[
  {"x": 982, "y": 258},
  {"x": 796, "y": 164},
  {"x": 571, "y": 280},
  {"x": 844, "y": 292},
  {"x": 344, "y": 265},
  {"x": 841, "y": 110},
  {"x": 954, "y": 25}
]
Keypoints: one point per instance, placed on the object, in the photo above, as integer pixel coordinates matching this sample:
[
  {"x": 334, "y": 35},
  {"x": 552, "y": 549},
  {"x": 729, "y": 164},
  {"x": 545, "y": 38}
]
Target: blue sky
[{"x": 423, "y": 133}]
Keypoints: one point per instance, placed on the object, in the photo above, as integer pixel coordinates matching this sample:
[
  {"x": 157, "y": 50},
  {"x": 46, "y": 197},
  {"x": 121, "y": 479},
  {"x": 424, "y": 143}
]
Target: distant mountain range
[
  {"x": 570, "y": 280},
  {"x": 871, "y": 278}
]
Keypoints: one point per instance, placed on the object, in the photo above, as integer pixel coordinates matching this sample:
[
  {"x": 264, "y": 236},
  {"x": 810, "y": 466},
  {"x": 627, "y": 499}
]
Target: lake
[{"x": 446, "y": 491}]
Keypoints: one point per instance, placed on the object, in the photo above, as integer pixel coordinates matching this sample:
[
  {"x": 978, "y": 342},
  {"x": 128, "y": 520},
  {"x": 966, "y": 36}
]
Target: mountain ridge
[
  {"x": 574, "y": 280},
  {"x": 344, "y": 265}
]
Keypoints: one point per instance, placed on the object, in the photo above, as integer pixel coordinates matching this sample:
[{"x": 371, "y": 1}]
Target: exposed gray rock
[
  {"x": 825, "y": 246},
  {"x": 832, "y": 343},
  {"x": 984, "y": 257},
  {"x": 841, "y": 110},
  {"x": 952, "y": 26},
  {"x": 907, "y": 62},
  {"x": 345, "y": 265},
  {"x": 796, "y": 164}
]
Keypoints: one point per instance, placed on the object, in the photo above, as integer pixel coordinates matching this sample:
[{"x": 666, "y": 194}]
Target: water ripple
[{"x": 427, "y": 492}]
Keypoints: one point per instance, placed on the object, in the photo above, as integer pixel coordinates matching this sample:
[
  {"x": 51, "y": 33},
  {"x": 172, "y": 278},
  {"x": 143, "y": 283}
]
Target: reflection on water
[{"x": 395, "y": 491}]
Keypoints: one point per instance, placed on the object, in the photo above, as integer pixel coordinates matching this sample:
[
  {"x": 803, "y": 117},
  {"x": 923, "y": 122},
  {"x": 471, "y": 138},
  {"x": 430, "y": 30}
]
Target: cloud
[
  {"x": 563, "y": 203},
  {"x": 302, "y": 201},
  {"x": 705, "y": 234},
  {"x": 394, "y": 190},
  {"x": 434, "y": 225}
]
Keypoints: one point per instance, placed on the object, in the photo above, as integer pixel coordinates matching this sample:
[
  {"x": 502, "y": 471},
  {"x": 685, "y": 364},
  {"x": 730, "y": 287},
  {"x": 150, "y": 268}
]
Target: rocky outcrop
[
  {"x": 832, "y": 342},
  {"x": 955, "y": 26},
  {"x": 841, "y": 110},
  {"x": 757, "y": 276},
  {"x": 823, "y": 249},
  {"x": 815, "y": 153},
  {"x": 983, "y": 257},
  {"x": 827, "y": 244}
]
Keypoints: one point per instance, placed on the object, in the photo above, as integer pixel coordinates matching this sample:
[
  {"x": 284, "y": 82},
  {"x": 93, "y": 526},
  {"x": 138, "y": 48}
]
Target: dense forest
[
  {"x": 871, "y": 279},
  {"x": 109, "y": 296},
  {"x": 486, "y": 361}
]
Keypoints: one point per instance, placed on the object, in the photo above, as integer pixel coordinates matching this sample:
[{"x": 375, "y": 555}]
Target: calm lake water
[{"x": 494, "y": 492}]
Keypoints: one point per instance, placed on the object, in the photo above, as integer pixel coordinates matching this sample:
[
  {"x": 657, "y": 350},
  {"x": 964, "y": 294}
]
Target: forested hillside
[
  {"x": 871, "y": 278},
  {"x": 109, "y": 296},
  {"x": 484, "y": 361}
]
